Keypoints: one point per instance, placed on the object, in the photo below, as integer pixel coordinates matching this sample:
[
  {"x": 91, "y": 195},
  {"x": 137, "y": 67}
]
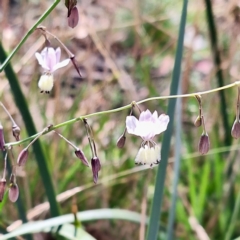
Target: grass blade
[
  {"x": 30, "y": 127},
  {"x": 159, "y": 187}
]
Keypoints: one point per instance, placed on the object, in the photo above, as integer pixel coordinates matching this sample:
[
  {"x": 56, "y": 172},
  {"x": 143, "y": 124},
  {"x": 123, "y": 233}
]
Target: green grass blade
[
  {"x": 27, "y": 118},
  {"x": 159, "y": 187},
  {"x": 217, "y": 61},
  {"x": 84, "y": 216},
  {"x": 172, "y": 210}
]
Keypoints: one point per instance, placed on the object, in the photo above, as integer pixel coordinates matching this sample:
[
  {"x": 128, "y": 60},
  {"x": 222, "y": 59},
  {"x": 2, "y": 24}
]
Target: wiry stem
[{"x": 237, "y": 83}]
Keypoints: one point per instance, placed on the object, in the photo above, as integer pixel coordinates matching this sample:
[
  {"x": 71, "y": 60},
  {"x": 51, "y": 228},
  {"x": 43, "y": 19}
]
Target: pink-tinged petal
[
  {"x": 145, "y": 115},
  {"x": 49, "y": 57},
  {"x": 61, "y": 64},
  {"x": 58, "y": 54},
  {"x": 162, "y": 124},
  {"x": 155, "y": 116},
  {"x": 131, "y": 124},
  {"x": 41, "y": 61}
]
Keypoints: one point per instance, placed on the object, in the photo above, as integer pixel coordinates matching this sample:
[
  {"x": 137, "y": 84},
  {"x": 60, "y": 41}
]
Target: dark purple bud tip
[
  {"x": 198, "y": 122},
  {"x": 2, "y": 141},
  {"x": 204, "y": 144},
  {"x": 2, "y": 188},
  {"x": 121, "y": 141},
  {"x": 79, "y": 153},
  {"x": 236, "y": 129},
  {"x": 16, "y": 131},
  {"x": 96, "y": 166},
  {"x": 22, "y": 157},
  {"x": 13, "y": 192},
  {"x": 75, "y": 64},
  {"x": 73, "y": 18}
]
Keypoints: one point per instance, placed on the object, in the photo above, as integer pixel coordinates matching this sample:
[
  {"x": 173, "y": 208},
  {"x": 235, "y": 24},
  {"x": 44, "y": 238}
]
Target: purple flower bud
[
  {"x": 13, "y": 192},
  {"x": 96, "y": 166},
  {"x": 204, "y": 144},
  {"x": 79, "y": 153},
  {"x": 22, "y": 157},
  {"x": 121, "y": 141},
  {"x": 236, "y": 129},
  {"x": 198, "y": 122},
  {"x": 2, "y": 188},
  {"x": 16, "y": 131},
  {"x": 2, "y": 141},
  {"x": 73, "y": 18}
]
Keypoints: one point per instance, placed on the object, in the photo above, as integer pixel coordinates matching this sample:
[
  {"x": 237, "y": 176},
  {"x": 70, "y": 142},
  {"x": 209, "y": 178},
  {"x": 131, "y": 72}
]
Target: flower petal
[
  {"x": 145, "y": 115},
  {"x": 58, "y": 54},
  {"x": 131, "y": 124},
  {"x": 162, "y": 123},
  {"x": 41, "y": 61},
  {"x": 61, "y": 64},
  {"x": 49, "y": 58}
]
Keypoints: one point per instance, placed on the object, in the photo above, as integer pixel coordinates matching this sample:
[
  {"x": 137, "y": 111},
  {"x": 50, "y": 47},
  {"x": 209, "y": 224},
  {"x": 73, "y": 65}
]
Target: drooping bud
[
  {"x": 79, "y": 153},
  {"x": 198, "y": 122},
  {"x": 22, "y": 157},
  {"x": 121, "y": 141},
  {"x": 96, "y": 166},
  {"x": 236, "y": 129},
  {"x": 13, "y": 192},
  {"x": 2, "y": 141},
  {"x": 2, "y": 188},
  {"x": 73, "y": 18},
  {"x": 16, "y": 131},
  {"x": 204, "y": 144},
  {"x": 69, "y": 5}
]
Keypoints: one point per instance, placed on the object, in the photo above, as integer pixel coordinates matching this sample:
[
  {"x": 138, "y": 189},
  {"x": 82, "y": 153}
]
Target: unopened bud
[
  {"x": 16, "y": 131},
  {"x": 73, "y": 18},
  {"x": 204, "y": 144},
  {"x": 13, "y": 192},
  {"x": 79, "y": 153},
  {"x": 96, "y": 166},
  {"x": 236, "y": 129},
  {"x": 22, "y": 157},
  {"x": 2, "y": 188},
  {"x": 198, "y": 122},
  {"x": 121, "y": 141},
  {"x": 2, "y": 141}
]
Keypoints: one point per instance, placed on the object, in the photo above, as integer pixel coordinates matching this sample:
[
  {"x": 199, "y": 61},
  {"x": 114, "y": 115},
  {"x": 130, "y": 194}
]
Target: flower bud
[
  {"x": 73, "y": 18},
  {"x": 79, "y": 153},
  {"x": 121, "y": 141},
  {"x": 16, "y": 131},
  {"x": 2, "y": 188},
  {"x": 236, "y": 129},
  {"x": 198, "y": 122},
  {"x": 2, "y": 141},
  {"x": 204, "y": 144},
  {"x": 13, "y": 192},
  {"x": 96, "y": 166},
  {"x": 22, "y": 157}
]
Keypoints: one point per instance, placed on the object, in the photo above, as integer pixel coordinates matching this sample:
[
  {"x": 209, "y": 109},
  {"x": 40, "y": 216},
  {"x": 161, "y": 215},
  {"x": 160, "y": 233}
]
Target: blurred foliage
[{"x": 140, "y": 38}]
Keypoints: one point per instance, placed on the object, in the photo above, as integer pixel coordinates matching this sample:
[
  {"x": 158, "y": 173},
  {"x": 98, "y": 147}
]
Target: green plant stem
[
  {"x": 45, "y": 14},
  {"x": 234, "y": 219},
  {"x": 159, "y": 186},
  {"x": 217, "y": 60},
  {"x": 123, "y": 108},
  {"x": 171, "y": 218},
  {"x": 27, "y": 118}
]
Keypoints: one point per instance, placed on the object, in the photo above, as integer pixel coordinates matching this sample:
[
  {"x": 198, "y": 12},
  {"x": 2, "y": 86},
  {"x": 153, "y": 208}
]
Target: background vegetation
[{"x": 127, "y": 51}]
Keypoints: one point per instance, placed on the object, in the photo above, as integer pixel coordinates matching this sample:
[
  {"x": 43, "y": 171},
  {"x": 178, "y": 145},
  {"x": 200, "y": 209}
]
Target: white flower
[
  {"x": 49, "y": 59},
  {"x": 147, "y": 127}
]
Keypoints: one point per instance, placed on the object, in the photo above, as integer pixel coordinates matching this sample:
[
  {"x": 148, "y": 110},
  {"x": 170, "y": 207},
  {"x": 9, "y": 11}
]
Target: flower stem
[
  {"x": 45, "y": 14},
  {"x": 69, "y": 122}
]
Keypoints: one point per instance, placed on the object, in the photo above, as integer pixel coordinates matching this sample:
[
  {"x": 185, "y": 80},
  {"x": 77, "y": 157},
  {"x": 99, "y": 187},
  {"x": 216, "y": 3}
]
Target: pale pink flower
[
  {"x": 147, "y": 127},
  {"x": 49, "y": 59}
]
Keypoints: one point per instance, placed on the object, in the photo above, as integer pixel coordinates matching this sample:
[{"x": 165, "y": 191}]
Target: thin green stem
[
  {"x": 47, "y": 12},
  {"x": 121, "y": 109}
]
